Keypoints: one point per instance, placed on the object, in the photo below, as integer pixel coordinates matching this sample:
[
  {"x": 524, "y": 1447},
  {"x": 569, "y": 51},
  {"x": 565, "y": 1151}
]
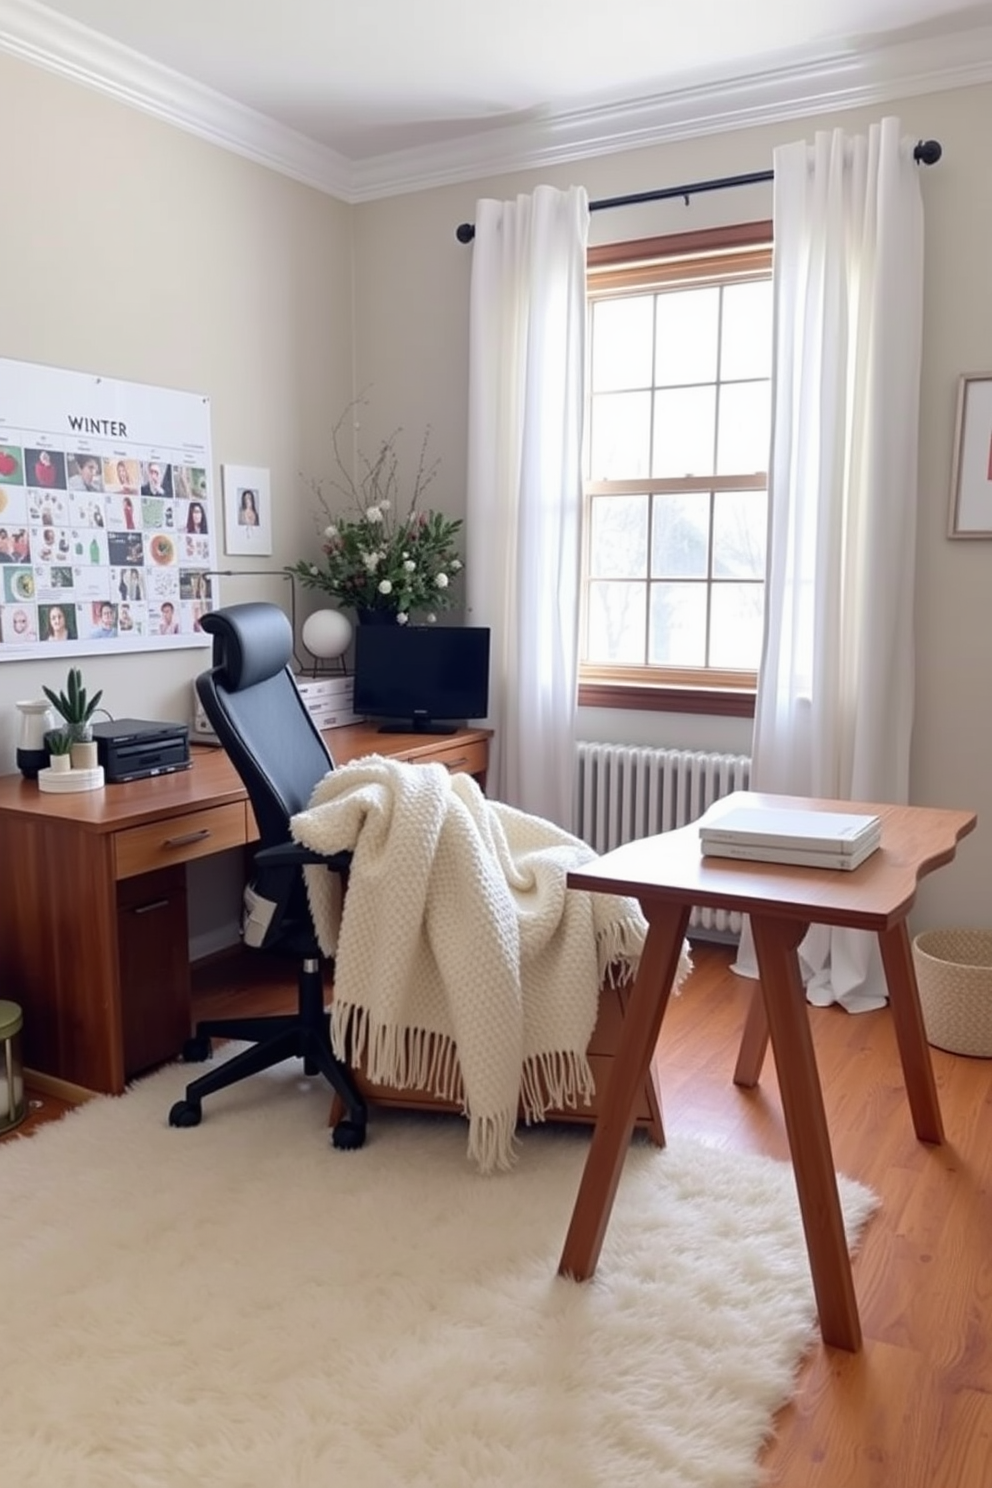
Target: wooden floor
[{"x": 914, "y": 1408}]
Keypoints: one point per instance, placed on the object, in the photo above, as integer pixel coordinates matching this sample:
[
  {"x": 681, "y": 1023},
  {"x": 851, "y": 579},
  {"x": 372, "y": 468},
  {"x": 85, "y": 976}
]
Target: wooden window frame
[{"x": 744, "y": 249}]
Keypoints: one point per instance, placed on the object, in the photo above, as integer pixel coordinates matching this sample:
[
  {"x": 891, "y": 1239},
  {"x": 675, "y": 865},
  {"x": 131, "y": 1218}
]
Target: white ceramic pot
[{"x": 60, "y": 764}]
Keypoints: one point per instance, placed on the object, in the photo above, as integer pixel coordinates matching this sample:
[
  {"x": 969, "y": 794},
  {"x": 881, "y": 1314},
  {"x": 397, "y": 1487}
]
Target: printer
[{"x": 133, "y": 748}]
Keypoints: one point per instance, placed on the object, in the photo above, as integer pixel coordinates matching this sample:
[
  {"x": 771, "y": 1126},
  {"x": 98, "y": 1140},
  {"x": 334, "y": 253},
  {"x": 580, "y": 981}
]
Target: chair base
[{"x": 304, "y": 1035}]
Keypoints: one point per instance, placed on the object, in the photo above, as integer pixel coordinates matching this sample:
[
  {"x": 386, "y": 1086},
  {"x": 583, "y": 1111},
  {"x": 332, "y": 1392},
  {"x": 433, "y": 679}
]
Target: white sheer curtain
[
  {"x": 834, "y": 708},
  {"x": 524, "y": 500}
]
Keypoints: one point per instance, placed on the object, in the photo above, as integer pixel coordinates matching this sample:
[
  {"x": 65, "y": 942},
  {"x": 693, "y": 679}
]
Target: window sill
[{"x": 718, "y": 701}]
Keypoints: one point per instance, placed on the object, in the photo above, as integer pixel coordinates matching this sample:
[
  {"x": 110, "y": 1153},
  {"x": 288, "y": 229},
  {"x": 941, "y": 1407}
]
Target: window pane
[
  {"x": 621, "y": 343},
  {"x": 688, "y": 320},
  {"x": 742, "y": 448},
  {"x": 683, "y": 432},
  {"x": 736, "y": 613},
  {"x": 618, "y": 537},
  {"x": 616, "y": 624},
  {"x": 740, "y": 531},
  {"x": 746, "y": 349},
  {"x": 620, "y": 436},
  {"x": 680, "y": 536},
  {"x": 678, "y": 625}
]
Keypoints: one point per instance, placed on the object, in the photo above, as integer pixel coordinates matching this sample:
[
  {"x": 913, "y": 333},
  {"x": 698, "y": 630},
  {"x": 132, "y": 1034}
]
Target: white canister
[{"x": 37, "y": 718}]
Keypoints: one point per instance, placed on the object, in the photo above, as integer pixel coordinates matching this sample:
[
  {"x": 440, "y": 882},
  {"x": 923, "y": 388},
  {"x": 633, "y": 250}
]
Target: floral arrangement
[{"x": 376, "y": 558}]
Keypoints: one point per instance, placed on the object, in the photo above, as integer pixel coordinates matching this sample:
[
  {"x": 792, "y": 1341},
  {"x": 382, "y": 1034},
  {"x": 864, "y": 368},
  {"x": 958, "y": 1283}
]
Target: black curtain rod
[{"x": 926, "y": 152}]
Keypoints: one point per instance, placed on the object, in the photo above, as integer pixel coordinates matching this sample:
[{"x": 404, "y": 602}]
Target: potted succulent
[
  {"x": 76, "y": 707},
  {"x": 58, "y": 742}
]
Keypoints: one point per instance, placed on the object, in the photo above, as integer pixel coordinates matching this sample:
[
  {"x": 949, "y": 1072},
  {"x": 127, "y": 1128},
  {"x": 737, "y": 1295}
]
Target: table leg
[
  {"x": 754, "y": 1043},
  {"x": 611, "y": 1137},
  {"x": 775, "y": 942},
  {"x": 917, "y": 1067}
]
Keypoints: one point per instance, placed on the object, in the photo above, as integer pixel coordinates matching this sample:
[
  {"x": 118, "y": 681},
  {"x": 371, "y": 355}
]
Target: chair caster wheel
[
  {"x": 185, "y": 1113},
  {"x": 197, "y": 1050},
  {"x": 348, "y": 1136}
]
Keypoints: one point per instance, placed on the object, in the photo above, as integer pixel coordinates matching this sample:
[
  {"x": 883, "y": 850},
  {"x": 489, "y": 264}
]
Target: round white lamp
[{"x": 326, "y": 634}]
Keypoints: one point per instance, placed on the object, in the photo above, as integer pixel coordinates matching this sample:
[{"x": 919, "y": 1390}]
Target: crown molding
[
  {"x": 825, "y": 84},
  {"x": 46, "y": 39},
  {"x": 813, "y": 84}
]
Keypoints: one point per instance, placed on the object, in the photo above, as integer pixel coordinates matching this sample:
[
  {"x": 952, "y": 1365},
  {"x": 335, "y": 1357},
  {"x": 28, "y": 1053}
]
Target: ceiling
[{"x": 375, "y": 81}]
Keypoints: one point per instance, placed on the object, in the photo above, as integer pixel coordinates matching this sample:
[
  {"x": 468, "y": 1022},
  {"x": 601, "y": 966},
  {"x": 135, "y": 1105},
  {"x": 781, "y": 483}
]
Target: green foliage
[
  {"x": 74, "y": 705},
  {"x": 58, "y": 741},
  {"x": 374, "y": 558}
]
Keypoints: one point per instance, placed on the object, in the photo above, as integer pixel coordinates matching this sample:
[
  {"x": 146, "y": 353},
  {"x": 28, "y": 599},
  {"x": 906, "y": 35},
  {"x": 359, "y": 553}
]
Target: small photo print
[
  {"x": 11, "y": 465},
  {"x": 57, "y": 622},
  {"x": 247, "y": 510},
  {"x": 45, "y": 469},
  {"x": 19, "y": 624}
]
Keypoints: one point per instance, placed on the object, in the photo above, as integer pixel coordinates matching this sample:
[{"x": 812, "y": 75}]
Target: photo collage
[{"x": 101, "y": 545}]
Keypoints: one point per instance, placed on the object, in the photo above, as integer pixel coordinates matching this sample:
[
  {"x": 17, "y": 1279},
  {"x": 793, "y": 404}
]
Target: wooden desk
[
  {"x": 93, "y": 927},
  {"x": 669, "y": 876}
]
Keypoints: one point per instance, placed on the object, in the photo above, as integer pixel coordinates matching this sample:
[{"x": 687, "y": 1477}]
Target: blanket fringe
[
  {"x": 390, "y": 1054},
  {"x": 560, "y": 1078},
  {"x": 492, "y": 1141},
  {"x": 618, "y": 951}
]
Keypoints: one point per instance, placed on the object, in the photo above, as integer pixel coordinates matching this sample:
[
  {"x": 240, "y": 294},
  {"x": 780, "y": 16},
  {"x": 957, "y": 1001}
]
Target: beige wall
[
  {"x": 411, "y": 341},
  {"x": 135, "y": 250}
]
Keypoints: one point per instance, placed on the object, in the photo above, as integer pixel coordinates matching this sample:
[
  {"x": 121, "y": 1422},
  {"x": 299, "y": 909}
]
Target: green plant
[
  {"x": 374, "y": 558},
  {"x": 74, "y": 705},
  {"x": 58, "y": 741}
]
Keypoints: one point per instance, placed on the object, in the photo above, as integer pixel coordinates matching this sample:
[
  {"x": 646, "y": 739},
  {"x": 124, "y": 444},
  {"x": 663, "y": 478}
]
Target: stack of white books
[{"x": 811, "y": 839}]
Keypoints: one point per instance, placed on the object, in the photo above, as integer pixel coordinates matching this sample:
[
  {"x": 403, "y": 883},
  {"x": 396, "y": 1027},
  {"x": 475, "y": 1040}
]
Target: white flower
[
  {"x": 402, "y": 617},
  {"x": 374, "y": 513},
  {"x": 331, "y": 531},
  {"x": 410, "y": 566},
  {"x": 442, "y": 581},
  {"x": 456, "y": 564},
  {"x": 314, "y": 569},
  {"x": 371, "y": 561},
  {"x": 386, "y": 587},
  {"x": 432, "y": 619},
  {"x": 385, "y": 505}
]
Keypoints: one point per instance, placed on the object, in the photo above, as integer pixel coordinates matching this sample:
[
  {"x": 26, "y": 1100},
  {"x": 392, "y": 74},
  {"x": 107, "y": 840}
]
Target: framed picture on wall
[
  {"x": 247, "y": 510},
  {"x": 971, "y": 474}
]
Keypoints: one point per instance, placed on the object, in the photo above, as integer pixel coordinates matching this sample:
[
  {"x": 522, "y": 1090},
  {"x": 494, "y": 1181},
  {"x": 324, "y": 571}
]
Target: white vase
[
  {"x": 36, "y": 719},
  {"x": 60, "y": 764}
]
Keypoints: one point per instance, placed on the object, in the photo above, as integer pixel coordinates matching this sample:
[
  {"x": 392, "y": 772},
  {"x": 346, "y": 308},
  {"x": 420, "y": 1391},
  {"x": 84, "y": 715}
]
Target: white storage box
[{"x": 328, "y": 700}]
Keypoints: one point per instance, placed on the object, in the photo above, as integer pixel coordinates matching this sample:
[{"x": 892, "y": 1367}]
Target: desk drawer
[
  {"x": 179, "y": 839},
  {"x": 461, "y": 759}
]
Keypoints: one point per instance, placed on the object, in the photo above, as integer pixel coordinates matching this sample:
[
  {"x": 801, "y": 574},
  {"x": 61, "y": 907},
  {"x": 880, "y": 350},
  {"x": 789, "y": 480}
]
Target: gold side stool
[{"x": 13, "y": 1101}]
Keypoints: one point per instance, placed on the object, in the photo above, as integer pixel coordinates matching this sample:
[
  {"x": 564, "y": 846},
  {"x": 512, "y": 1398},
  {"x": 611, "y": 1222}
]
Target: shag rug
[{"x": 238, "y": 1305}]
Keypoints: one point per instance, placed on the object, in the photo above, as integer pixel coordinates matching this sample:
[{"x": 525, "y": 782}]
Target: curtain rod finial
[
  {"x": 465, "y": 232},
  {"x": 928, "y": 152}
]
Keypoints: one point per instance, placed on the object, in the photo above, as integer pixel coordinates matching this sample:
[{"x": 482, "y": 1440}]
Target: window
[{"x": 677, "y": 434}]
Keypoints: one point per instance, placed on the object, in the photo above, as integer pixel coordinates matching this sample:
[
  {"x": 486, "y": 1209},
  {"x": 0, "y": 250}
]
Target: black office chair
[{"x": 256, "y": 710}]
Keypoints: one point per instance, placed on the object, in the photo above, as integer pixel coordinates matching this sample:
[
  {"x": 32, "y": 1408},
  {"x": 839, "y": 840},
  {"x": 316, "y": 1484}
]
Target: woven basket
[{"x": 954, "y": 972}]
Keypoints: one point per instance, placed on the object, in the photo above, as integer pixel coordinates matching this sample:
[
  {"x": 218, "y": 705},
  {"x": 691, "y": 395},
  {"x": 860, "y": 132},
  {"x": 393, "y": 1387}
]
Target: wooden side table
[{"x": 669, "y": 876}]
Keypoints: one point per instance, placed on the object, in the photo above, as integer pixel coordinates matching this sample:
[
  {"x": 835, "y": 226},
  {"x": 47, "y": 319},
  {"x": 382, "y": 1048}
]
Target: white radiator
[{"x": 626, "y": 792}]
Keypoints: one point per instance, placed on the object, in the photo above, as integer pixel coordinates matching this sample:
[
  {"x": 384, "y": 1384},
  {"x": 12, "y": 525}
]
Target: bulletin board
[{"x": 107, "y": 517}]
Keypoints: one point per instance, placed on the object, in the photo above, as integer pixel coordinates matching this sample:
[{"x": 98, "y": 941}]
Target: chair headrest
[{"x": 252, "y": 642}]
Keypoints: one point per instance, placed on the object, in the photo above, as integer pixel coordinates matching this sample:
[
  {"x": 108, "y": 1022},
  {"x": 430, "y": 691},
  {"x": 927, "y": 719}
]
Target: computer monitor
[{"x": 425, "y": 679}]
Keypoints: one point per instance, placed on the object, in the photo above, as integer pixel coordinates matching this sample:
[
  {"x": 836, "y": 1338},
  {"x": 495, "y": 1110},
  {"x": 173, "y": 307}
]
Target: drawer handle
[
  {"x": 187, "y": 838},
  {"x": 457, "y": 763},
  {"x": 147, "y": 908}
]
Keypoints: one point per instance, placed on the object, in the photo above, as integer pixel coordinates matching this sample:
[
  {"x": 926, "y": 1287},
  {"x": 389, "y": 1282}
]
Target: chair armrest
[{"x": 295, "y": 855}]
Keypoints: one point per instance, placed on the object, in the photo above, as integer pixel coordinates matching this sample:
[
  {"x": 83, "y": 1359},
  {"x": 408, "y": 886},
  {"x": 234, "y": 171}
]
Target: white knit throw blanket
[{"x": 463, "y": 966}]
